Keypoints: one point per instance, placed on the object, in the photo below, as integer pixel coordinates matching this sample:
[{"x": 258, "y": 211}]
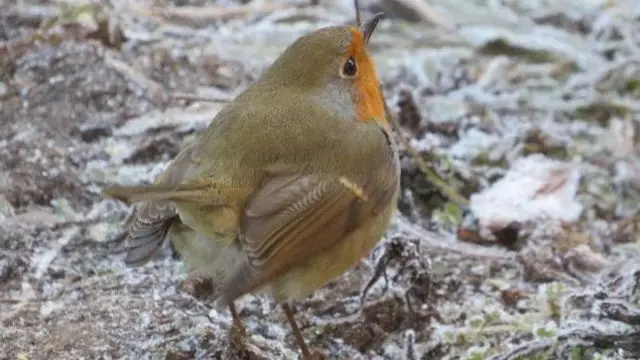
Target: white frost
[{"x": 535, "y": 188}]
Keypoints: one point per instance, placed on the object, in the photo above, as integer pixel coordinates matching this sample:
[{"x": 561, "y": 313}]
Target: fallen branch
[
  {"x": 154, "y": 91},
  {"x": 439, "y": 245},
  {"x": 194, "y": 97},
  {"x": 197, "y": 13},
  {"x": 423, "y": 11}
]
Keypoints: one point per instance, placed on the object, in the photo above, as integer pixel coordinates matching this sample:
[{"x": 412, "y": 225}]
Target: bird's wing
[
  {"x": 152, "y": 219},
  {"x": 147, "y": 230},
  {"x": 292, "y": 217}
]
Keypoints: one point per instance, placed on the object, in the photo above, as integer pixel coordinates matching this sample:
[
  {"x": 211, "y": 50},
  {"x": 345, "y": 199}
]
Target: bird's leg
[
  {"x": 237, "y": 332},
  {"x": 237, "y": 336},
  {"x": 236, "y": 324},
  {"x": 306, "y": 354}
]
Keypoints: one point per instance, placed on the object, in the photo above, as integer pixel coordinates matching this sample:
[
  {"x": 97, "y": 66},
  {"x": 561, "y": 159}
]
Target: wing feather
[
  {"x": 152, "y": 220},
  {"x": 293, "y": 217}
]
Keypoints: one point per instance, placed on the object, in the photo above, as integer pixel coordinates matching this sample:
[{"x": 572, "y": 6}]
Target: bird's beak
[{"x": 370, "y": 25}]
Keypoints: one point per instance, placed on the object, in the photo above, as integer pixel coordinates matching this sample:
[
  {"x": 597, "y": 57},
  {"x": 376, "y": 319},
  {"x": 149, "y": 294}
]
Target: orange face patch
[{"x": 369, "y": 100}]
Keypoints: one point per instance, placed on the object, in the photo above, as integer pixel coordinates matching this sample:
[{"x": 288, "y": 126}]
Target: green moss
[
  {"x": 577, "y": 354},
  {"x": 631, "y": 86},
  {"x": 537, "y": 142},
  {"x": 476, "y": 356},
  {"x": 452, "y": 215},
  {"x": 484, "y": 158},
  {"x": 476, "y": 323},
  {"x": 545, "y": 333},
  {"x": 600, "y": 112},
  {"x": 554, "y": 294}
]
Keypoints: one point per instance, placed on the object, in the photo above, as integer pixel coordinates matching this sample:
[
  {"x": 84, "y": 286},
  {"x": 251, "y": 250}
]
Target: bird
[{"x": 291, "y": 185}]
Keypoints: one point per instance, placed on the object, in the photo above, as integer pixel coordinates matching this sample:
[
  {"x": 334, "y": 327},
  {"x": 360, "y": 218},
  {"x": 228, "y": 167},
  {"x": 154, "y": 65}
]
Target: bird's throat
[{"x": 370, "y": 106}]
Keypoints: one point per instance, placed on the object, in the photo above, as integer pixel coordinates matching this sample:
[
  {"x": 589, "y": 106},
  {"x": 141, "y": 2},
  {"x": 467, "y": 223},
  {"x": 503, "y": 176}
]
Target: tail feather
[
  {"x": 142, "y": 252},
  {"x": 146, "y": 238},
  {"x": 148, "y": 228},
  {"x": 196, "y": 193},
  {"x": 154, "y": 218}
]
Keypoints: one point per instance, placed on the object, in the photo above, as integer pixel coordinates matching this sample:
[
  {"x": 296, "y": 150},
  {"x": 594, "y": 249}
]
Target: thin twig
[
  {"x": 447, "y": 190},
  {"x": 194, "y": 97},
  {"x": 425, "y": 12},
  {"x": 154, "y": 91},
  {"x": 434, "y": 244}
]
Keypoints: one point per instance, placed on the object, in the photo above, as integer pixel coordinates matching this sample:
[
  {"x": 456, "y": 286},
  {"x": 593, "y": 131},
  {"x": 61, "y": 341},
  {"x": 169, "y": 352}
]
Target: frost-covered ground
[{"x": 527, "y": 110}]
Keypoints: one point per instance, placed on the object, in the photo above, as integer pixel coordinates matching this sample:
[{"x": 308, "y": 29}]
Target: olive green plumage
[{"x": 287, "y": 188}]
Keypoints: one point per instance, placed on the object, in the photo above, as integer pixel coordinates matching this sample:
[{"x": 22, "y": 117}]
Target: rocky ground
[{"x": 517, "y": 236}]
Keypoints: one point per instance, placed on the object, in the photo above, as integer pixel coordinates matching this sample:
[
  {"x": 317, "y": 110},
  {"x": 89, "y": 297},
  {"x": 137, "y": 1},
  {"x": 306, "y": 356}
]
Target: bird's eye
[{"x": 349, "y": 69}]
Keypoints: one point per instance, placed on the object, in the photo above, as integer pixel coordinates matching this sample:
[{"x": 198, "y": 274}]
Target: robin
[{"x": 291, "y": 185}]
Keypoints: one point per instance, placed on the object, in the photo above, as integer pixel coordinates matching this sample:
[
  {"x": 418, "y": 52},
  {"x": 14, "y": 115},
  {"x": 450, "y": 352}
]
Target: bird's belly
[
  {"x": 211, "y": 247},
  {"x": 216, "y": 257},
  {"x": 333, "y": 262}
]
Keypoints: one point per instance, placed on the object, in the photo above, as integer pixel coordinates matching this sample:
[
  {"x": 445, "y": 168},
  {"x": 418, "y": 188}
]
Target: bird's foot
[
  {"x": 315, "y": 355},
  {"x": 237, "y": 330},
  {"x": 237, "y": 338}
]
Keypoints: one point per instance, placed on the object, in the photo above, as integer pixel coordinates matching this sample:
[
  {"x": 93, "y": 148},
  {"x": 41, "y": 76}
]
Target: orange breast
[
  {"x": 369, "y": 101},
  {"x": 333, "y": 262}
]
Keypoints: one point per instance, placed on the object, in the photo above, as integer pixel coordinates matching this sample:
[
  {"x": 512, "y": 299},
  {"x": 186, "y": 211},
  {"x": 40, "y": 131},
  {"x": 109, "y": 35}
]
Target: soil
[{"x": 93, "y": 94}]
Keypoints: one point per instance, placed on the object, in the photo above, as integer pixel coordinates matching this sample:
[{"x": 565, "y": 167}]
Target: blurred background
[{"x": 517, "y": 235}]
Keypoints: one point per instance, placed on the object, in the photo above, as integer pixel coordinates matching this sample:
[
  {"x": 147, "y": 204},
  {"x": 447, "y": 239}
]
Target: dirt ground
[{"x": 527, "y": 249}]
